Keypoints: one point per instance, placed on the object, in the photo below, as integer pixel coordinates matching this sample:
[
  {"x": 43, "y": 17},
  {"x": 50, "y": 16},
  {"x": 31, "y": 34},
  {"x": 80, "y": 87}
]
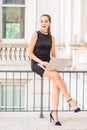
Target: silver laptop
[{"x": 56, "y": 64}]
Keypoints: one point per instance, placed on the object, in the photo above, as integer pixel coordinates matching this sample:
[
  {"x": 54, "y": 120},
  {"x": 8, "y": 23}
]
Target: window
[
  {"x": 13, "y": 1},
  {"x": 13, "y": 19},
  {"x": 13, "y": 22},
  {"x": 17, "y": 20},
  {"x": 13, "y": 98}
]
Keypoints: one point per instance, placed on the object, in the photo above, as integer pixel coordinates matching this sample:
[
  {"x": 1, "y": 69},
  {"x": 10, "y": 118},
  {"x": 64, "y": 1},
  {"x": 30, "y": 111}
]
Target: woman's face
[{"x": 44, "y": 23}]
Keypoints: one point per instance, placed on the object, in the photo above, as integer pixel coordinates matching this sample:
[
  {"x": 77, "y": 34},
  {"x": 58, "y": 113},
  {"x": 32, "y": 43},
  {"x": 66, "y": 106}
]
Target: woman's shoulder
[{"x": 35, "y": 34}]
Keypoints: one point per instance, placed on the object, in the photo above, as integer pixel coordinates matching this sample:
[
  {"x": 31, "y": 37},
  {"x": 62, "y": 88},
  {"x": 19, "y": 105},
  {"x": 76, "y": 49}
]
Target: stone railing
[
  {"x": 18, "y": 52},
  {"x": 13, "y": 52},
  {"x": 79, "y": 56}
]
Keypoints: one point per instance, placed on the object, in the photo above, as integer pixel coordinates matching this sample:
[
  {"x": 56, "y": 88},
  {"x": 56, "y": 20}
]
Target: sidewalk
[{"x": 31, "y": 121}]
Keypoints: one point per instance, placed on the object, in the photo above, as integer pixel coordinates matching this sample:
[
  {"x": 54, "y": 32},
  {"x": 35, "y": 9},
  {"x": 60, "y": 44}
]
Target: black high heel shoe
[
  {"x": 77, "y": 109},
  {"x": 52, "y": 119}
]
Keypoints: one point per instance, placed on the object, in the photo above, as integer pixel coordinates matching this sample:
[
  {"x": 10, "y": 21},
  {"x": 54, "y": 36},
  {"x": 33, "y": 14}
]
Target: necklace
[{"x": 46, "y": 33}]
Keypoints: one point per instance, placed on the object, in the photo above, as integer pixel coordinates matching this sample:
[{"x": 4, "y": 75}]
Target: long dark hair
[{"x": 49, "y": 18}]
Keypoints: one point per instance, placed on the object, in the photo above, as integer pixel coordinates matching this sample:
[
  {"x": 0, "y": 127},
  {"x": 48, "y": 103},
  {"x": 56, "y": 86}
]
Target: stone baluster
[
  {"x": 8, "y": 53},
  {"x": 26, "y": 55},
  {"x": 18, "y": 53},
  {"x": 22, "y": 54},
  {"x": 3, "y": 53},
  {"x": 13, "y": 53}
]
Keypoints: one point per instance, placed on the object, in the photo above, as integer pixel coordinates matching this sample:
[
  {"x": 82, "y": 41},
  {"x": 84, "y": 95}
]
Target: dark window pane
[
  {"x": 13, "y": 22},
  {"x": 22, "y": 2}
]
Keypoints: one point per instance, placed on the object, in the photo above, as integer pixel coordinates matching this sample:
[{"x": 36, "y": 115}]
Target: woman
[{"x": 41, "y": 49}]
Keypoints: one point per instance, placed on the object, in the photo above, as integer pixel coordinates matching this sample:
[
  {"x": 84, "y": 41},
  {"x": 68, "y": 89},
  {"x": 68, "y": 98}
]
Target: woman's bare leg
[
  {"x": 54, "y": 75},
  {"x": 55, "y": 100}
]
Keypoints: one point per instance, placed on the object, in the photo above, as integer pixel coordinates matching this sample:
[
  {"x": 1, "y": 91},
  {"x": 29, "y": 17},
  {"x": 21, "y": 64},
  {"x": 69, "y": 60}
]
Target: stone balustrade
[
  {"x": 17, "y": 54},
  {"x": 13, "y": 52},
  {"x": 79, "y": 56}
]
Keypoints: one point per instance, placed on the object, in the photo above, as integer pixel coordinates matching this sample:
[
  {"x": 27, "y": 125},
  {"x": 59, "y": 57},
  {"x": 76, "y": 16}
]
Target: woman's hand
[{"x": 44, "y": 63}]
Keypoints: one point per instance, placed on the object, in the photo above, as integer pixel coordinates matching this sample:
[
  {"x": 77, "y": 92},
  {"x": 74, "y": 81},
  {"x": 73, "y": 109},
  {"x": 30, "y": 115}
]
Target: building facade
[{"x": 19, "y": 18}]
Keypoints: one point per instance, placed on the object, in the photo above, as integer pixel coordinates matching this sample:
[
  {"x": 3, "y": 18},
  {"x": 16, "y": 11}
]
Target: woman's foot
[
  {"x": 73, "y": 105},
  {"x": 77, "y": 110},
  {"x": 54, "y": 117}
]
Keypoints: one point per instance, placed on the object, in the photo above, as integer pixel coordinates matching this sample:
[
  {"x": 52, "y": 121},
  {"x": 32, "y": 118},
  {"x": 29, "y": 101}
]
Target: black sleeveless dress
[{"x": 42, "y": 51}]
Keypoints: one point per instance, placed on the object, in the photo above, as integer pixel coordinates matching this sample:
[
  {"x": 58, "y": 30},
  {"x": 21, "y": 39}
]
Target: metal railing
[{"x": 26, "y": 91}]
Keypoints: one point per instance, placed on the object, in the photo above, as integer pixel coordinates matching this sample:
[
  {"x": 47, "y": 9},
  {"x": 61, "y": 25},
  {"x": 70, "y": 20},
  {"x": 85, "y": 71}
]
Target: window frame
[
  {"x": 6, "y": 105},
  {"x": 30, "y": 13}
]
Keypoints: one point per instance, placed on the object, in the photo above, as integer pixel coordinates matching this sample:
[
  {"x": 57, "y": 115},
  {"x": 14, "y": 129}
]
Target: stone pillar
[
  {"x": 0, "y": 21},
  {"x": 85, "y": 20},
  {"x": 67, "y": 27},
  {"x": 77, "y": 29}
]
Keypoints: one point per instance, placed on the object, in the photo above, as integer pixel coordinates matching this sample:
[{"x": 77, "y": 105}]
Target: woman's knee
[{"x": 55, "y": 75}]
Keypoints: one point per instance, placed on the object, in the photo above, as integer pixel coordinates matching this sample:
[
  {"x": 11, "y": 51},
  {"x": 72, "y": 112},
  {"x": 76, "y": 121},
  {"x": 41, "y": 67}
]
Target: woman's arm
[
  {"x": 53, "y": 50},
  {"x": 31, "y": 48}
]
